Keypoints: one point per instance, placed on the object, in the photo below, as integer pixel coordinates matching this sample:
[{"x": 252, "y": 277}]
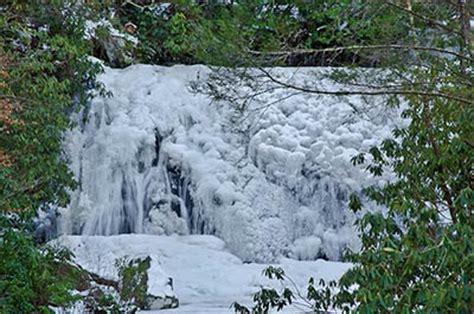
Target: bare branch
[
  {"x": 359, "y": 47},
  {"x": 385, "y": 92}
]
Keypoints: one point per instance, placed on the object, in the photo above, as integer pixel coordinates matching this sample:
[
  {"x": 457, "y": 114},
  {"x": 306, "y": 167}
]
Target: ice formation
[
  {"x": 206, "y": 278},
  {"x": 157, "y": 158}
]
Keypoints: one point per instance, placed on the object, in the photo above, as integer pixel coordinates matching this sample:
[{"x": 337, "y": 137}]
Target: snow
[
  {"x": 271, "y": 181},
  {"x": 206, "y": 277}
]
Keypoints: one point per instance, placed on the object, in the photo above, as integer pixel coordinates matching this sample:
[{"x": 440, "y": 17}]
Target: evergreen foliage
[
  {"x": 45, "y": 75},
  {"x": 235, "y": 34},
  {"x": 134, "y": 280},
  {"x": 29, "y": 277}
]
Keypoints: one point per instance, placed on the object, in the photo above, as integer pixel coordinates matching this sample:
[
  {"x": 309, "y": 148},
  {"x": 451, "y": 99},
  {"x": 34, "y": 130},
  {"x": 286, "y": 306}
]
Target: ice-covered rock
[{"x": 109, "y": 43}]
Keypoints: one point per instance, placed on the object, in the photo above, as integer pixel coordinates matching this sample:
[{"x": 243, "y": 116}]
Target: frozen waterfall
[{"x": 157, "y": 158}]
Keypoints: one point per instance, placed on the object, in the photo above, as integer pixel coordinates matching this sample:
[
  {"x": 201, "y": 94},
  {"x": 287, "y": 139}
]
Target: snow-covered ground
[
  {"x": 206, "y": 277},
  {"x": 271, "y": 179}
]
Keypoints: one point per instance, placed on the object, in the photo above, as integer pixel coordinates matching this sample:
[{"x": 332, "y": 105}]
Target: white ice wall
[{"x": 281, "y": 187}]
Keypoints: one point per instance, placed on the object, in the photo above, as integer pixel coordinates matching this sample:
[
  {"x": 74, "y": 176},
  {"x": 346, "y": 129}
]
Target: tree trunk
[
  {"x": 464, "y": 19},
  {"x": 409, "y": 8}
]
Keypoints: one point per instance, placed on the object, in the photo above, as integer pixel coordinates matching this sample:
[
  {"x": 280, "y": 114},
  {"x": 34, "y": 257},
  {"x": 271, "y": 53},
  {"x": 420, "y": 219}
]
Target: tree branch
[
  {"x": 400, "y": 92},
  {"x": 359, "y": 47},
  {"x": 447, "y": 195},
  {"x": 423, "y": 18}
]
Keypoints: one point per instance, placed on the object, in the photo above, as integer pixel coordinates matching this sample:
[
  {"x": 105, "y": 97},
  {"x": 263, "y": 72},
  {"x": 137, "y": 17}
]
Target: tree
[
  {"x": 45, "y": 74},
  {"x": 30, "y": 280}
]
